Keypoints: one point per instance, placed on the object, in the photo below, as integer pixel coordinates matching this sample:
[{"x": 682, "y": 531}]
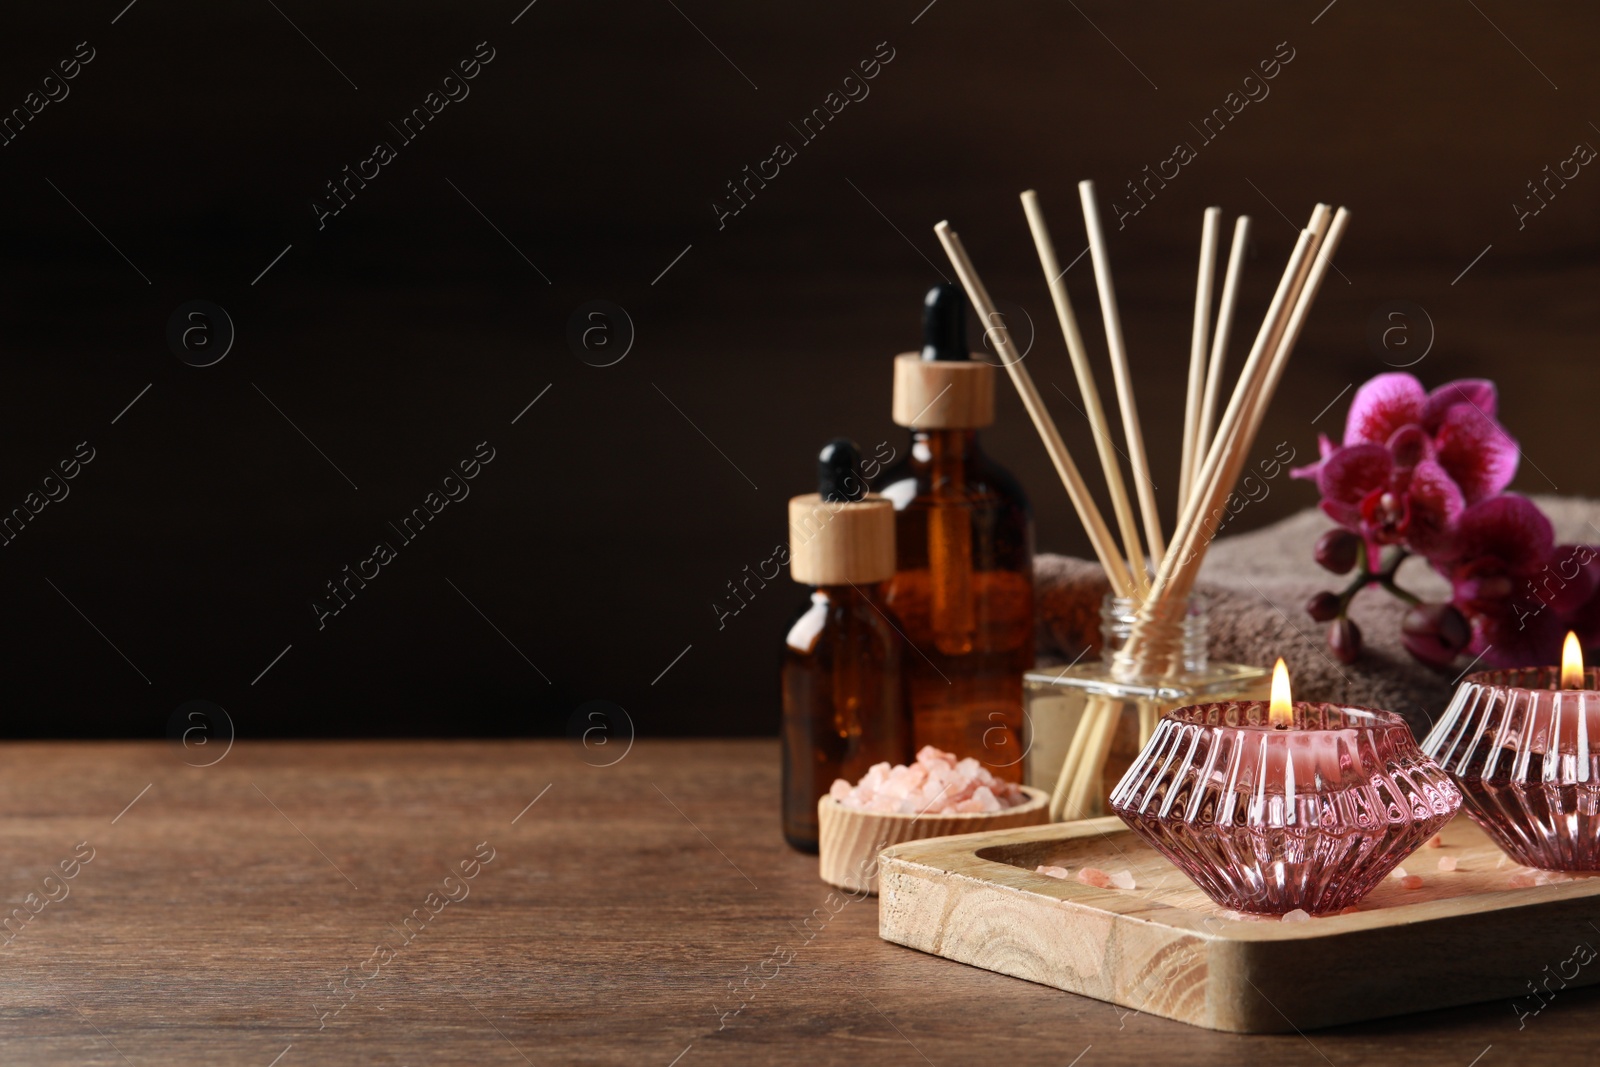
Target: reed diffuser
[{"x": 1082, "y": 717}]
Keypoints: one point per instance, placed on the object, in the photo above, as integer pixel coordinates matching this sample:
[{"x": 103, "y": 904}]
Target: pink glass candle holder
[
  {"x": 1526, "y": 753},
  {"x": 1267, "y": 819}
]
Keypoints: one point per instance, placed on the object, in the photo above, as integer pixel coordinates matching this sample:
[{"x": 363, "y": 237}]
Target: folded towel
[{"x": 1257, "y": 585}]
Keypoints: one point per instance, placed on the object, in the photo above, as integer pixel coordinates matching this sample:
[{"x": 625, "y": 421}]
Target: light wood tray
[{"x": 1164, "y": 948}]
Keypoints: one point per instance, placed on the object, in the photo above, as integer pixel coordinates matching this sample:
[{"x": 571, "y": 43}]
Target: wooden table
[{"x": 623, "y": 910}]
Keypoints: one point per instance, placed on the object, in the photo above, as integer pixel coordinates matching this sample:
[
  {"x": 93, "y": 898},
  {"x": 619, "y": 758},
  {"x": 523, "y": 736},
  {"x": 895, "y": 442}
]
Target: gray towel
[{"x": 1257, "y": 585}]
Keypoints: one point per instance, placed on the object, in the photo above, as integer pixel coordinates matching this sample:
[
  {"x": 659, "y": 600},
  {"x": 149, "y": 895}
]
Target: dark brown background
[{"x": 407, "y": 330}]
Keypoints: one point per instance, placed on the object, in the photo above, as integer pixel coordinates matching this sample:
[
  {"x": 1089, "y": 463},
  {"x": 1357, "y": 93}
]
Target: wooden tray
[{"x": 1163, "y": 947}]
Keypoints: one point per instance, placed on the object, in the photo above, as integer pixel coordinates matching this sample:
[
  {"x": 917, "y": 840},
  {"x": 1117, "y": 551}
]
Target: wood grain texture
[
  {"x": 607, "y": 930},
  {"x": 1164, "y": 948},
  {"x": 838, "y": 542},
  {"x": 943, "y": 395}
]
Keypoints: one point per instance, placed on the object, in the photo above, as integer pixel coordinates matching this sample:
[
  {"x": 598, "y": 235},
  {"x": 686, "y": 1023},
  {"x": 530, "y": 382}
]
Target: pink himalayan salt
[
  {"x": 1411, "y": 881},
  {"x": 936, "y": 784},
  {"x": 1447, "y": 863},
  {"x": 1436, "y": 841},
  {"x": 1054, "y": 872},
  {"x": 1298, "y": 915},
  {"x": 1525, "y": 877},
  {"x": 1096, "y": 877},
  {"x": 1399, "y": 874},
  {"x": 1122, "y": 879}
]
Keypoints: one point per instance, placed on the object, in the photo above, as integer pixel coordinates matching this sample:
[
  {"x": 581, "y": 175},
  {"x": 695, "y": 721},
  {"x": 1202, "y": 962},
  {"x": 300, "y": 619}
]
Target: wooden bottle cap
[
  {"x": 838, "y": 543},
  {"x": 940, "y": 394}
]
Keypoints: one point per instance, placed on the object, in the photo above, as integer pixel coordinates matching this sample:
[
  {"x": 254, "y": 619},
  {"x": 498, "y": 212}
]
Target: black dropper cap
[
  {"x": 944, "y": 324},
  {"x": 837, "y": 480}
]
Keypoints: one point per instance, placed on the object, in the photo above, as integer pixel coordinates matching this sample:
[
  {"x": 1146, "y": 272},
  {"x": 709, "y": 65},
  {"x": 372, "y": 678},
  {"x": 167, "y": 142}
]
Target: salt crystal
[
  {"x": 1400, "y": 873},
  {"x": 1122, "y": 879},
  {"x": 1436, "y": 841},
  {"x": 1096, "y": 877},
  {"x": 1447, "y": 863},
  {"x": 1351, "y": 910},
  {"x": 1298, "y": 915},
  {"x": 936, "y": 784},
  {"x": 1053, "y": 872},
  {"x": 1411, "y": 881},
  {"x": 1521, "y": 880}
]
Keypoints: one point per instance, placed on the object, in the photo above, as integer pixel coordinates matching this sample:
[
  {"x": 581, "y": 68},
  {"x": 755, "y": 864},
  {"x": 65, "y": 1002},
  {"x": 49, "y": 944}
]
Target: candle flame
[
  {"x": 1280, "y": 712},
  {"x": 1571, "y": 663}
]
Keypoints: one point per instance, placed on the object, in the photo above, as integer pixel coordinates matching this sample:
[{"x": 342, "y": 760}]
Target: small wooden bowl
[{"x": 849, "y": 840}]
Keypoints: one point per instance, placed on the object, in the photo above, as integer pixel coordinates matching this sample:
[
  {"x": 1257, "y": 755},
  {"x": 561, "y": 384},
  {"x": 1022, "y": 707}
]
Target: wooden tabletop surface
[{"x": 646, "y": 912}]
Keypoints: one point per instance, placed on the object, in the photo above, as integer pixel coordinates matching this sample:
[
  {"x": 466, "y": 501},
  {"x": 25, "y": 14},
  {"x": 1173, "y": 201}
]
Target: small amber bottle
[
  {"x": 845, "y": 701},
  {"x": 963, "y": 583}
]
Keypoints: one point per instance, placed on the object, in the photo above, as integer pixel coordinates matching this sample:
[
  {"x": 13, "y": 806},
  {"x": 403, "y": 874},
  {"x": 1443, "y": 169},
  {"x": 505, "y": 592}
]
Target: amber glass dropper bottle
[
  {"x": 845, "y": 700},
  {"x": 963, "y": 585}
]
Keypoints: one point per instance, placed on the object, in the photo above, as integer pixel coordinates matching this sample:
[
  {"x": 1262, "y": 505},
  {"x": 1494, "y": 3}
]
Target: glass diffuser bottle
[
  {"x": 963, "y": 582},
  {"x": 1102, "y": 713},
  {"x": 845, "y": 700}
]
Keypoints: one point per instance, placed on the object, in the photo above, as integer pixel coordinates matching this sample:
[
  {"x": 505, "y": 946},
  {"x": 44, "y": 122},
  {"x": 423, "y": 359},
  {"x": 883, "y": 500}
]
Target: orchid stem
[
  {"x": 1401, "y": 593},
  {"x": 1383, "y": 578}
]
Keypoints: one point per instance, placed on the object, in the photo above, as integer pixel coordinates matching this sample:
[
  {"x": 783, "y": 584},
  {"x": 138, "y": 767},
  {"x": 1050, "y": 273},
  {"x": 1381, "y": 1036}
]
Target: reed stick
[
  {"x": 1149, "y": 713},
  {"x": 1121, "y": 505},
  {"x": 1143, "y": 486},
  {"x": 1326, "y": 236},
  {"x": 1318, "y": 225},
  {"x": 1088, "y": 513},
  {"x": 1071, "y": 766},
  {"x": 1219, "y": 343},
  {"x": 1311, "y": 285},
  {"x": 1205, "y": 282},
  {"x": 1087, "y": 779},
  {"x": 1175, "y": 578}
]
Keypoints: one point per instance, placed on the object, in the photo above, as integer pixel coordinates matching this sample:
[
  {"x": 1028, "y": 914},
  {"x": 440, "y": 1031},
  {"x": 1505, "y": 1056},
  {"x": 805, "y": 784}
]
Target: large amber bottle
[
  {"x": 963, "y": 583},
  {"x": 845, "y": 699}
]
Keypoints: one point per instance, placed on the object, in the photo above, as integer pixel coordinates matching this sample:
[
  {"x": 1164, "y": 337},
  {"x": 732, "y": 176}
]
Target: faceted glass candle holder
[
  {"x": 1526, "y": 753},
  {"x": 1269, "y": 819}
]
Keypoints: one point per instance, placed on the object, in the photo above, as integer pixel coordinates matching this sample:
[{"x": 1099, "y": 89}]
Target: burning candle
[
  {"x": 1280, "y": 711},
  {"x": 1270, "y": 806},
  {"x": 1571, "y": 662},
  {"x": 1518, "y": 742}
]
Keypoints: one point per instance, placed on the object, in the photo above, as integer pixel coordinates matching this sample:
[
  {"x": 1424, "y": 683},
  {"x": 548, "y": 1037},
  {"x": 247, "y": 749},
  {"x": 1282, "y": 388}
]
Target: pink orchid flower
[
  {"x": 1412, "y": 460},
  {"x": 1457, "y": 419},
  {"x": 1501, "y": 546}
]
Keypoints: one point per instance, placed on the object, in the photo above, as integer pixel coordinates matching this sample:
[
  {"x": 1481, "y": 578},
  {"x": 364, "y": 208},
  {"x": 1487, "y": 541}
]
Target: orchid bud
[
  {"x": 1323, "y": 607},
  {"x": 1336, "y": 551},
  {"x": 1344, "y": 639}
]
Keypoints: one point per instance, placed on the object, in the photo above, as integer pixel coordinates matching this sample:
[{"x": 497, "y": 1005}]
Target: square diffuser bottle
[{"x": 1102, "y": 713}]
